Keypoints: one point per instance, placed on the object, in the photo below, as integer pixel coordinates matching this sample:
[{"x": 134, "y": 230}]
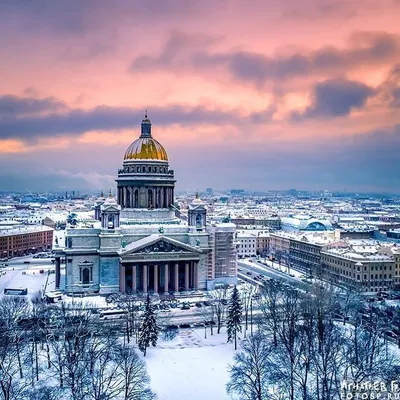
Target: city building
[
  {"x": 272, "y": 223},
  {"x": 262, "y": 243},
  {"x": 301, "y": 250},
  {"x": 302, "y": 222},
  {"x": 362, "y": 266},
  {"x": 141, "y": 243},
  {"x": 247, "y": 244},
  {"x": 23, "y": 240},
  {"x": 393, "y": 234}
]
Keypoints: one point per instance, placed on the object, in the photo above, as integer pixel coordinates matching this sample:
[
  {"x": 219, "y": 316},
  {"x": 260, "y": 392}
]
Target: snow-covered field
[
  {"x": 191, "y": 367},
  {"x": 30, "y": 278}
]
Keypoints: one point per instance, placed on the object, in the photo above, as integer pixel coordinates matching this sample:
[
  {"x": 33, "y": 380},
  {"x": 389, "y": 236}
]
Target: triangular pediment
[
  {"x": 110, "y": 207},
  {"x": 158, "y": 244}
]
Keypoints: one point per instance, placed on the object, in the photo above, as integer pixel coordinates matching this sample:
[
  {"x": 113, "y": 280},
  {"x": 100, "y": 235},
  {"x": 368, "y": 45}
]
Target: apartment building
[
  {"x": 247, "y": 243},
  {"x": 359, "y": 271},
  {"x": 301, "y": 250},
  {"x": 23, "y": 240}
]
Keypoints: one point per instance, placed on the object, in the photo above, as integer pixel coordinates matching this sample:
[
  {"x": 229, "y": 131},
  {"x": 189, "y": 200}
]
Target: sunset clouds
[{"x": 260, "y": 95}]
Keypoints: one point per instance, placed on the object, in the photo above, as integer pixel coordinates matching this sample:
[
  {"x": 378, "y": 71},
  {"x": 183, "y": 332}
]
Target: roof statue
[{"x": 226, "y": 219}]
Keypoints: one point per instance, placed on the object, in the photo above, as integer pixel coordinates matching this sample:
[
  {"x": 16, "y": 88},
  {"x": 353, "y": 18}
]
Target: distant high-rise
[
  {"x": 237, "y": 192},
  {"x": 209, "y": 191}
]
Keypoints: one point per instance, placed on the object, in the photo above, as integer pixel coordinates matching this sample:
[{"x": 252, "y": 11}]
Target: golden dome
[{"x": 146, "y": 148}]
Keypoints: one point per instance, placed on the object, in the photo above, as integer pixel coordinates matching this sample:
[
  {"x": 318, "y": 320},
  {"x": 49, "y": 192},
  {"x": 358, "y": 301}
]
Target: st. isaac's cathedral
[{"x": 142, "y": 243}]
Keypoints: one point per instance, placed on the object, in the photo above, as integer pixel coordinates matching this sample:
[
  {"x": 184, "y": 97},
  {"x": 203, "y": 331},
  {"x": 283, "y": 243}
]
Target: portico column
[
  {"x": 156, "y": 279},
  {"x": 176, "y": 277},
  {"x": 145, "y": 279},
  {"x": 134, "y": 282},
  {"x": 58, "y": 272},
  {"x": 125, "y": 196},
  {"x": 191, "y": 274},
  {"x": 132, "y": 197},
  {"x": 166, "y": 279},
  {"x": 122, "y": 278},
  {"x": 186, "y": 276},
  {"x": 195, "y": 275}
]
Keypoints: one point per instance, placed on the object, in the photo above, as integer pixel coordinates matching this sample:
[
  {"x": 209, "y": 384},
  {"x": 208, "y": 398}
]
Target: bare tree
[
  {"x": 13, "y": 355},
  {"x": 248, "y": 374},
  {"x": 135, "y": 381},
  {"x": 219, "y": 303},
  {"x": 247, "y": 290},
  {"x": 73, "y": 328},
  {"x": 128, "y": 303},
  {"x": 106, "y": 379},
  {"x": 271, "y": 297},
  {"x": 208, "y": 318}
]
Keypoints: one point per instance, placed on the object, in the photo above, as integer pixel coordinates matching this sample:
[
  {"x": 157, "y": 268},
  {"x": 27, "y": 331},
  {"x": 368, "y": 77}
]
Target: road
[{"x": 272, "y": 273}]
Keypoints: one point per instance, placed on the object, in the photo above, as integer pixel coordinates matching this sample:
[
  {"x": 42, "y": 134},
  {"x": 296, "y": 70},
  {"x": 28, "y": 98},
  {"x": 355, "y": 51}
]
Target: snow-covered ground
[
  {"x": 191, "y": 367},
  {"x": 22, "y": 276}
]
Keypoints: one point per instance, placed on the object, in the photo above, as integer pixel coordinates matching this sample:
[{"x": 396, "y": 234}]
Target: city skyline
[{"x": 261, "y": 97}]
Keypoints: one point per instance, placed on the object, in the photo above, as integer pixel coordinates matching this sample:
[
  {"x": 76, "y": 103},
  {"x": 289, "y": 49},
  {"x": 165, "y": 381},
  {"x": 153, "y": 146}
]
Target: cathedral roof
[{"x": 145, "y": 147}]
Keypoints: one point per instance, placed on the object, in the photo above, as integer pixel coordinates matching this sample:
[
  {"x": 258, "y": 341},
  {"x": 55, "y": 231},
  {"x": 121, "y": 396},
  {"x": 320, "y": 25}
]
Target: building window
[{"x": 85, "y": 276}]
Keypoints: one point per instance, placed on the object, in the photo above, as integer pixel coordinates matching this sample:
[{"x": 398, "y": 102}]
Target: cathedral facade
[{"x": 142, "y": 243}]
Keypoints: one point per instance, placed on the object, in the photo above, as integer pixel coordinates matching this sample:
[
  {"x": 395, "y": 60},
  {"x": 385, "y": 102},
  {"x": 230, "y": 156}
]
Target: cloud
[
  {"x": 55, "y": 181},
  {"x": 336, "y": 97},
  {"x": 13, "y": 106},
  {"x": 364, "y": 48},
  {"x": 390, "y": 88},
  {"x": 173, "y": 52},
  {"x": 80, "y": 17},
  {"x": 359, "y": 162},
  {"x": 105, "y": 118}
]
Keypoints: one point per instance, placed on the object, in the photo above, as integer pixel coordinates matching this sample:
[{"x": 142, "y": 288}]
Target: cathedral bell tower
[
  {"x": 197, "y": 213},
  {"x": 110, "y": 213}
]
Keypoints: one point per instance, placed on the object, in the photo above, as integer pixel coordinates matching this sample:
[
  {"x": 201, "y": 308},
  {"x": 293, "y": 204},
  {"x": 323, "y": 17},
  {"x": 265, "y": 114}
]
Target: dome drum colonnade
[{"x": 145, "y": 180}]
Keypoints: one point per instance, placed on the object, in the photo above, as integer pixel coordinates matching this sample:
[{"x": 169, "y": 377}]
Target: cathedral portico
[{"x": 152, "y": 277}]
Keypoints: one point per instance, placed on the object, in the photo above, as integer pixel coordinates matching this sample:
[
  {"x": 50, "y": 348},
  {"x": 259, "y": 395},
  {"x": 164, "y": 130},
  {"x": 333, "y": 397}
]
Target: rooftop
[{"x": 24, "y": 230}]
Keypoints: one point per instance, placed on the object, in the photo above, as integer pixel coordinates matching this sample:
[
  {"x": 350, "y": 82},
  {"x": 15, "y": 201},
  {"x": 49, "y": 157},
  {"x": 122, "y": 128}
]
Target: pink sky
[{"x": 259, "y": 95}]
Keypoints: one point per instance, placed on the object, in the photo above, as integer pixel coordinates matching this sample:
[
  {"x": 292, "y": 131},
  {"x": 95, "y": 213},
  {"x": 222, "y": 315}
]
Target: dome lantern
[{"x": 146, "y": 127}]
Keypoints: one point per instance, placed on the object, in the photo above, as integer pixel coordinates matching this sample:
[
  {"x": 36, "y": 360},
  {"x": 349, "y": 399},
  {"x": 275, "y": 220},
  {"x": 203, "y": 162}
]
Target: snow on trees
[
  {"x": 149, "y": 329},
  {"x": 300, "y": 352},
  {"x": 65, "y": 353},
  {"x": 234, "y": 316}
]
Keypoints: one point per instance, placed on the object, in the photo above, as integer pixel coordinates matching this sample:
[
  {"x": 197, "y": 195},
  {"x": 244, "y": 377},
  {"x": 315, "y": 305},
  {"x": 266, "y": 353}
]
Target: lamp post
[{"x": 251, "y": 314}]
